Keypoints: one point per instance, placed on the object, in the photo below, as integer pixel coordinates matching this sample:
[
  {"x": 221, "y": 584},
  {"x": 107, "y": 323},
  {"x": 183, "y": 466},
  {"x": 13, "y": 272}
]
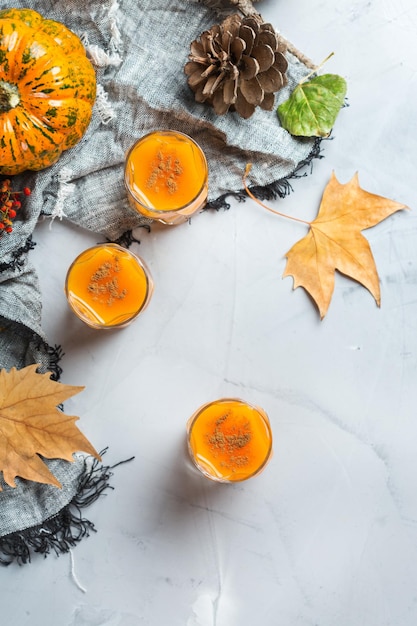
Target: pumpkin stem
[{"x": 9, "y": 96}]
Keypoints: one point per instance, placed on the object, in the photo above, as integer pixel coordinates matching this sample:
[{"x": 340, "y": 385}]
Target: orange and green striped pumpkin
[{"x": 47, "y": 90}]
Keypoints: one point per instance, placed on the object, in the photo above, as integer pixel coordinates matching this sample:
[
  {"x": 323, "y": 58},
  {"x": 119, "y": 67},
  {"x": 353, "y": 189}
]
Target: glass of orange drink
[
  {"x": 166, "y": 176},
  {"x": 108, "y": 286},
  {"x": 229, "y": 440}
]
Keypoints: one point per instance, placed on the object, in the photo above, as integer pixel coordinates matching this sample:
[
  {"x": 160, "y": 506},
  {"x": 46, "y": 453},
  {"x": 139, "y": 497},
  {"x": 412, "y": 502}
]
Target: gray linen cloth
[{"x": 139, "y": 49}]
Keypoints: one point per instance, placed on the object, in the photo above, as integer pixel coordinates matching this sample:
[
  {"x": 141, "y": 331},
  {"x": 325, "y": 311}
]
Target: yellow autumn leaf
[
  {"x": 335, "y": 242},
  {"x": 32, "y": 426}
]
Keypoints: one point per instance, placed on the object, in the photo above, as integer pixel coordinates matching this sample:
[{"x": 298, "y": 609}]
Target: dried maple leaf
[
  {"x": 32, "y": 425},
  {"x": 335, "y": 242}
]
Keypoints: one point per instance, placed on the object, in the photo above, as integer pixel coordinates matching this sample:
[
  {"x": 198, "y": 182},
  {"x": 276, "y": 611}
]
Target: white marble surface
[{"x": 327, "y": 534}]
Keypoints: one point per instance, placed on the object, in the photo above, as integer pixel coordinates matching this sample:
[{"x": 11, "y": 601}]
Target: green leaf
[{"x": 313, "y": 106}]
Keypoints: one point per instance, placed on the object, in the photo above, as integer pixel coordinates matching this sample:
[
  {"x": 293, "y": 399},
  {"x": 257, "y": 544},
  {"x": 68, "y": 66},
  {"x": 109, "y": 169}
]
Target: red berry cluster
[{"x": 9, "y": 205}]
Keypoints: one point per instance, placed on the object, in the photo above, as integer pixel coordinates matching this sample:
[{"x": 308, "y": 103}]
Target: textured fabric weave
[
  {"x": 37, "y": 503},
  {"x": 138, "y": 48}
]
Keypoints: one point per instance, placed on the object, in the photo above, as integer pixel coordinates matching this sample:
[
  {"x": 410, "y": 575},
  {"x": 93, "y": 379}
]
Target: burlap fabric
[{"x": 138, "y": 48}]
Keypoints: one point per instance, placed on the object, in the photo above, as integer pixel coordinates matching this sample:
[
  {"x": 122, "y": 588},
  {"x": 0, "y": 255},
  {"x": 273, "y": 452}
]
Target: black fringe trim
[
  {"x": 17, "y": 261},
  {"x": 64, "y": 530},
  {"x": 55, "y": 354},
  {"x": 277, "y": 189},
  {"x": 126, "y": 239}
]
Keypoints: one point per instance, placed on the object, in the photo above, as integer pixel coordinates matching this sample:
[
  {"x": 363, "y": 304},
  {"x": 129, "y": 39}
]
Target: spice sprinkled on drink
[
  {"x": 108, "y": 286},
  {"x": 166, "y": 176},
  {"x": 229, "y": 440}
]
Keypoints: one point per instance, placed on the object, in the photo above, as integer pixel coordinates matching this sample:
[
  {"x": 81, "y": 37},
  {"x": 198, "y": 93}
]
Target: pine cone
[{"x": 237, "y": 65}]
